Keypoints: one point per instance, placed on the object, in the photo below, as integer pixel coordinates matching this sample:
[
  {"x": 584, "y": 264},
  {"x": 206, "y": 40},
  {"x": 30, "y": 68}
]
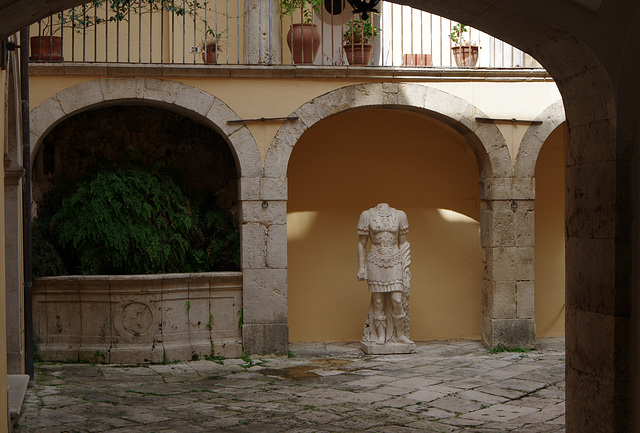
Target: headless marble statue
[{"x": 386, "y": 269}]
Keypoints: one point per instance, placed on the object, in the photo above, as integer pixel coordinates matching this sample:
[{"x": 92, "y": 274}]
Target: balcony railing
[{"x": 252, "y": 32}]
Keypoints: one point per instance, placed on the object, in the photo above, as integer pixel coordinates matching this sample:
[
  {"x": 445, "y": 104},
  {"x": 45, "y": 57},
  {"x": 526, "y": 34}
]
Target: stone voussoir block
[
  {"x": 368, "y": 94},
  {"x": 221, "y": 114},
  {"x": 84, "y": 95},
  {"x": 117, "y": 88},
  {"x": 308, "y": 114},
  {"x": 247, "y": 153},
  {"x": 412, "y": 95}
]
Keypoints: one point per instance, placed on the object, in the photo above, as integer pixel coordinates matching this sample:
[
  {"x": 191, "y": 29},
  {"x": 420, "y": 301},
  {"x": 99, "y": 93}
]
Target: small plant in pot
[
  {"x": 211, "y": 46},
  {"x": 464, "y": 52},
  {"x": 303, "y": 38},
  {"x": 356, "y": 40}
]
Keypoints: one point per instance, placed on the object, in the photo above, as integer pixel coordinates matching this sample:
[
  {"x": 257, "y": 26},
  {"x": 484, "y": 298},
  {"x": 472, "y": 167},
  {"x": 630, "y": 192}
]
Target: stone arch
[
  {"x": 508, "y": 256},
  {"x": 535, "y": 136},
  {"x": 485, "y": 139},
  {"x": 179, "y": 97}
]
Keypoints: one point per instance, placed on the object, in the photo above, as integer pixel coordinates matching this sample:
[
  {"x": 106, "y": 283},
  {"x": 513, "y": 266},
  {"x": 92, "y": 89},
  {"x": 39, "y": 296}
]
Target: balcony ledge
[{"x": 290, "y": 71}]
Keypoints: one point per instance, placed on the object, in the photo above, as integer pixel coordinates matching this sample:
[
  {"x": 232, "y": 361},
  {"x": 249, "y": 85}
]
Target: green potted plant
[
  {"x": 356, "y": 40},
  {"x": 210, "y": 46},
  {"x": 303, "y": 38},
  {"x": 465, "y": 53}
]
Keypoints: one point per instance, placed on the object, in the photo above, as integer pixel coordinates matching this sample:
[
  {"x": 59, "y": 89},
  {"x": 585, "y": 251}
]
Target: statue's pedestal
[{"x": 388, "y": 348}]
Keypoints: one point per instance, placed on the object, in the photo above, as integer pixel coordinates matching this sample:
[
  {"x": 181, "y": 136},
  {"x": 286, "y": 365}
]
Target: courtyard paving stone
[{"x": 445, "y": 386}]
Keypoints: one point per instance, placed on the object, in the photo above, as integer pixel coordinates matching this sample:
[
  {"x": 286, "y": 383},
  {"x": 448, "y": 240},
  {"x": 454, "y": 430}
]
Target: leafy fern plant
[{"x": 133, "y": 221}]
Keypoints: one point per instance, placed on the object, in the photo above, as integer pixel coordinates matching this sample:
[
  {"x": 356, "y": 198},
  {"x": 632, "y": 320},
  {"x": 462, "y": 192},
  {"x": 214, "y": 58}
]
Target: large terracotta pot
[
  {"x": 210, "y": 56},
  {"x": 358, "y": 54},
  {"x": 46, "y": 48},
  {"x": 466, "y": 55},
  {"x": 304, "y": 42}
]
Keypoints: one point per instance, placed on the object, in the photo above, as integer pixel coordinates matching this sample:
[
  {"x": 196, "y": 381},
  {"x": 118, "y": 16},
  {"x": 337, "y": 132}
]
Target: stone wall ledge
[{"x": 290, "y": 71}]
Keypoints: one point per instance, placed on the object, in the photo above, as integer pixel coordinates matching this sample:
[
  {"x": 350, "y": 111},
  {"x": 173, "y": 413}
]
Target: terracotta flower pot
[
  {"x": 466, "y": 55},
  {"x": 46, "y": 48},
  {"x": 304, "y": 42},
  {"x": 358, "y": 54},
  {"x": 210, "y": 56}
]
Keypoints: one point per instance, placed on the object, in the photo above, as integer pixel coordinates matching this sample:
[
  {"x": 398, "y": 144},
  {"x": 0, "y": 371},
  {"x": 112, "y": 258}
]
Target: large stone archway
[
  {"x": 507, "y": 313},
  {"x": 172, "y": 95}
]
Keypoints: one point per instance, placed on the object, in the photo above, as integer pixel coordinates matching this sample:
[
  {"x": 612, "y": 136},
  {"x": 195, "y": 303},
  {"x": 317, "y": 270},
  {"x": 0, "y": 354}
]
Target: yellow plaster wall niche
[
  {"x": 352, "y": 161},
  {"x": 550, "y": 235}
]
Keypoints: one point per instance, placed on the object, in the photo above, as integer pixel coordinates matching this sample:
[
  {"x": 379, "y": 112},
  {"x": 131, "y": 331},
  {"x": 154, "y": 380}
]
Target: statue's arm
[{"x": 362, "y": 253}]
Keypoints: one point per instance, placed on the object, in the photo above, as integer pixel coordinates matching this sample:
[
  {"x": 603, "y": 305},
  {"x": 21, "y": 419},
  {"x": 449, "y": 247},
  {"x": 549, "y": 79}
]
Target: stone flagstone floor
[{"x": 450, "y": 386}]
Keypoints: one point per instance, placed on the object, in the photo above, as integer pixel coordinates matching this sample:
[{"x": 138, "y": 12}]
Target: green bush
[{"x": 132, "y": 221}]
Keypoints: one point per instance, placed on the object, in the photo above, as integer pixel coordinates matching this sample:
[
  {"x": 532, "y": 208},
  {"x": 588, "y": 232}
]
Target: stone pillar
[
  {"x": 507, "y": 220},
  {"x": 14, "y": 270},
  {"x": 262, "y": 44},
  {"x": 264, "y": 265}
]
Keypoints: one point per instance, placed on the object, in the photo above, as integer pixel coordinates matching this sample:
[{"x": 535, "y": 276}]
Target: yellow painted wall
[
  {"x": 352, "y": 161},
  {"x": 550, "y": 235}
]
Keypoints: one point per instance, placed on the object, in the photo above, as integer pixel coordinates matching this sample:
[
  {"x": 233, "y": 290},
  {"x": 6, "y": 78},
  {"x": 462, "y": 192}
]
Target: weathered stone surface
[
  {"x": 414, "y": 95},
  {"x": 265, "y": 338},
  {"x": 246, "y": 152},
  {"x": 509, "y": 188},
  {"x": 606, "y": 410},
  {"x": 120, "y": 88},
  {"x": 510, "y": 263},
  {"x": 600, "y": 353},
  {"x": 281, "y": 147},
  {"x": 194, "y": 100},
  {"x": 265, "y": 296},
  {"x": 77, "y": 98},
  {"x": 254, "y": 245},
  {"x": 277, "y": 246},
  {"x": 592, "y": 264},
  {"x": 135, "y": 319},
  {"x": 513, "y": 333},
  {"x": 525, "y": 298},
  {"x": 367, "y": 95},
  {"x": 387, "y": 349},
  {"x": 220, "y": 114},
  {"x": 506, "y": 224},
  {"x": 504, "y": 300},
  {"x": 43, "y": 117},
  {"x": 264, "y": 188},
  {"x": 266, "y": 211}
]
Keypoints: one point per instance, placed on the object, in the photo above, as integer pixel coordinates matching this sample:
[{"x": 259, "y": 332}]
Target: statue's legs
[
  {"x": 379, "y": 318},
  {"x": 398, "y": 317}
]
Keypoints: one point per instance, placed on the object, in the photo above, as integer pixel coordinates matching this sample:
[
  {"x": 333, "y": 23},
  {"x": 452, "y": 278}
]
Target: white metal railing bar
[{"x": 245, "y": 32}]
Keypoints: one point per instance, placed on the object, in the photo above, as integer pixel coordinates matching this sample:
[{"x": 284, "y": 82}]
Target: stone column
[
  {"x": 264, "y": 265},
  {"x": 262, "y": 44},
  {"x": 507, "y": 220},
  {"x": 14, "y": 270}
]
